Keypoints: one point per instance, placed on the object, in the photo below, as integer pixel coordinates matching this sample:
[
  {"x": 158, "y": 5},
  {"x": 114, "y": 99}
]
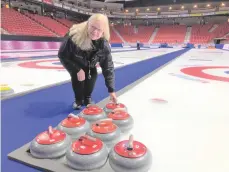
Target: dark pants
[{"x": 82, "y": 89}]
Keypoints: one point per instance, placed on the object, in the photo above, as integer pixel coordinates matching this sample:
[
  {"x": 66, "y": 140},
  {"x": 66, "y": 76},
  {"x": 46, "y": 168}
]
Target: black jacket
[{"x": 74, "y": 59}]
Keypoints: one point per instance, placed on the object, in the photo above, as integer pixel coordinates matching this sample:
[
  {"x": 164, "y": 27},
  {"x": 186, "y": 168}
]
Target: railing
[{"x": 181, "y": 13}]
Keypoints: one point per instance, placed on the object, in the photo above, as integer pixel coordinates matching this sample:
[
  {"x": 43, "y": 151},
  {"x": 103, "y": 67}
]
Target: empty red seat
[
  {"x": 17, "y": 23},
  {"x": 170, "y": 34}
]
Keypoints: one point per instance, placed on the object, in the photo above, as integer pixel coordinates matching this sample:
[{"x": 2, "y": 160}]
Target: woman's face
[{"x": 95, "y": 29}]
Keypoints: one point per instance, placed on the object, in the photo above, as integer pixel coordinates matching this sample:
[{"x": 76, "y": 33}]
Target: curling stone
[
  {"x": 6, "y": 90},
  {"x": 75, "y": 126},
  {"x": 111, "y": 106},
  {"x": 105, "y": 130},
  {"x": 50, "y": 144},
  {"x": 93, "y": 113},
  {"x": 130, "y": 156},
  {"x": 87, "y": 153},
  {"x": 122, "y": 119}
]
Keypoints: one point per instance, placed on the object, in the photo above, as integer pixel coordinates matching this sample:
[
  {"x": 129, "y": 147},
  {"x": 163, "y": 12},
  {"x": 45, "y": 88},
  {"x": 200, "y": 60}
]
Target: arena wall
[{"x": 13, "y": 43}]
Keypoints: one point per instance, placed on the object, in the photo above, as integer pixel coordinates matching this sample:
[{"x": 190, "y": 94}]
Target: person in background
[
  {"x": 138, "y": 45},
  {"x": 86, "y": 45}
]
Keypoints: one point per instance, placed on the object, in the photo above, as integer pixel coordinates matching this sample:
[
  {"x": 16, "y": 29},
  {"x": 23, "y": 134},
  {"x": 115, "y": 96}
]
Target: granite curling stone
[
  {"x": 6, "y": 90},
  {"x": 122, "y": 119},
  {"x": 75, "y": 126},
  {"x": 130, "y": 156},
  {"x": 111, "y": 106},
  {"x": 93, "y": 113},
  {"x": 50, "y": 144},
  {"x": 105, "y": 130},
  {"x": 87, "y": 153}
]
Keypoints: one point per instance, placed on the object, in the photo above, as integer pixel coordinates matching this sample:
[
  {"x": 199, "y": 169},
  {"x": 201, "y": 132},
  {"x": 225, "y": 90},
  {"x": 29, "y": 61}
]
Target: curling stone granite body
[
  {"x": 136, "y": 158},
  {"x": 6, "y": 91},
  {"x": 107, "y": 131},
  {"x": 93, "y": 113},
  {"x": 74, "y": 126},
  {"x": 122, "y": 119},
  {"x": 50, "y": 144},
  {"x": 111, "y": 106},
  {"x": 87, "y": 153}
]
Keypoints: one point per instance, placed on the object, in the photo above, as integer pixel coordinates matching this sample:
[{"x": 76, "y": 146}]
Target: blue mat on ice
[{"x": 26, "y": 116}]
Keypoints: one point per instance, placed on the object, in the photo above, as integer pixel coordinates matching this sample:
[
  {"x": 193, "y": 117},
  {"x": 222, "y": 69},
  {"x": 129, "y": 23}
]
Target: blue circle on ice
[
  {"x": 56, "y": 63},
  {"x": 227, "y": 72}
]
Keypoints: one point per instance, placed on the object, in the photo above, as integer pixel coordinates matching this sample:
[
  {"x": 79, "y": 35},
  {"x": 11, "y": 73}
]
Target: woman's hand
[
  {"x": 81, "y": 75},
  {"x": 113, "y": 97}
]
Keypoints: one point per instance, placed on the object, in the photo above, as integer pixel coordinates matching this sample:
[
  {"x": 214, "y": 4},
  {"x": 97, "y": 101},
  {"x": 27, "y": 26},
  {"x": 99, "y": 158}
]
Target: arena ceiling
[{"x": 145, "y": 3}]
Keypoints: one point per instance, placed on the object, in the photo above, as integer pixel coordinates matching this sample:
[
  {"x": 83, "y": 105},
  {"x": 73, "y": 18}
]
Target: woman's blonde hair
[{"x": 79, "y": 32}]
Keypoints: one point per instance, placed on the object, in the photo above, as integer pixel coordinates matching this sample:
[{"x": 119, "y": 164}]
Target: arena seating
[
  {"x": 65, "y": 22},
  {"x": 36, "y": 25},
  {"x": 170, "y": 34},
  {"x": 126, "y": 32},
  {"x": 131, "y": 34},
  {"x": 19, "y": 24},
  {"x": 113, "y": 37},
  {"x": 221, "y": 30},
  {"x": 200, "y": 33},
  {"x": 144, "y": 33},
  {"x": 50, "y": 23}
]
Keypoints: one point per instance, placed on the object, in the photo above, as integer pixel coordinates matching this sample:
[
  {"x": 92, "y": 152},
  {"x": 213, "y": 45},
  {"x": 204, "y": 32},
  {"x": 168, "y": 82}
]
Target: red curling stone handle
[
  {"x": 87, "y": 140},
  {"x": 130, "y": 143},
  {"x": 104, "y": 122},
  {"x": 117, "y": 103},
  {"x": 73, "y": 116},
  {"x": 118, "y": 109},
  {"x": 89, "y": 137},
  {"x": 50, "y": 130}
]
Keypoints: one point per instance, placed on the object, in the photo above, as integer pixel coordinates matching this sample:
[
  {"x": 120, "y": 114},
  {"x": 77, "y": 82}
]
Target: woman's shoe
[
  {"x": 88, "y": 100},
  {"x": 77, "y": 105}
]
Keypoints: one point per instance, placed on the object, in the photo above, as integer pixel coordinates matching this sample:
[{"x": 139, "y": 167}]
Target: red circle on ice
[
  {"x": 46, "y": 138},
  {"x": 35, "y": 64},
  {"x": 104, "y": 127},
  {"x": 198, "y": 72},
  {"x": 114, "y": 106},
  {"x": 118, "y": 115},
  {"x": 71, "y": 122},
  {"x": 92, "y": 110},
  {"x": 86, "y": 146},
  {"x": 137, "y": 151}
]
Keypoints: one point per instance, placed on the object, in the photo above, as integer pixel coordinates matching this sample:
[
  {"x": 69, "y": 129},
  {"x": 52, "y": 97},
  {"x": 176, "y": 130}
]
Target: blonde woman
[{"x": 87, "y": 44}]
